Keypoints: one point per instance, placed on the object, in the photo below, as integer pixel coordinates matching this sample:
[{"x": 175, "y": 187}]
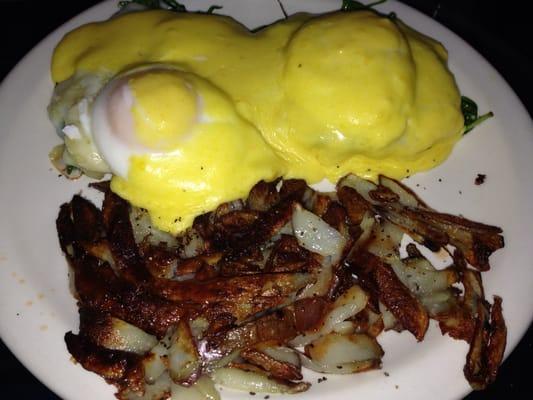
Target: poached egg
[{"x": 176, "y": 145}]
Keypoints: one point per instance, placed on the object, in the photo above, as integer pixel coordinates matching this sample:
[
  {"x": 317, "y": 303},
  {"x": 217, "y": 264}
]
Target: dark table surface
[{"x": 501, "y": 34}]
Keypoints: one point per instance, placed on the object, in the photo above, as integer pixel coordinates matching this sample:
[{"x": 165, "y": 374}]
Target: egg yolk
[{"x": 164, "y": 109}]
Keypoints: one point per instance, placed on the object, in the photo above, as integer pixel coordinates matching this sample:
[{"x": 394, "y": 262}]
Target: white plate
[{"x": 36, "y": 308}]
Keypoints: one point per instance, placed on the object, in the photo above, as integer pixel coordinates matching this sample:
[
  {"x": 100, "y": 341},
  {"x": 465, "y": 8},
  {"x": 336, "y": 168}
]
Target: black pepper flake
[
  {"x": 266, "y": 397},
  {"x": 460, "y": 192},
  {"x": 396, "y": 386},
  {"x": 386, "y": 374},
  {"x": 252, "y": 393},
  {"x": 440, "y": 179},
  {"x": 480, "y": 179},
  {"x": 299, "y": 65}
]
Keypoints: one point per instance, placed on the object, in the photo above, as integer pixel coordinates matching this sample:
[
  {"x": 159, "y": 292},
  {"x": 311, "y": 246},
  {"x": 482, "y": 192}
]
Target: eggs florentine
[{"x": 193, "y": 109}]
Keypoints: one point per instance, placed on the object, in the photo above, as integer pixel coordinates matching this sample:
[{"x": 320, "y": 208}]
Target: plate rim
[{"x": 96, "y": 8}]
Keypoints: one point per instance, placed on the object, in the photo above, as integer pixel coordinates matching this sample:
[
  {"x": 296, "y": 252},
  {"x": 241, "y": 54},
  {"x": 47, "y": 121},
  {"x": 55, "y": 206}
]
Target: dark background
[{"x": 502, "y": 34}]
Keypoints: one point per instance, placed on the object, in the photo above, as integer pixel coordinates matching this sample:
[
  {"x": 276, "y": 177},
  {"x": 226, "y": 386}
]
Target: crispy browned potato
[{"x": 239, "y": 294}]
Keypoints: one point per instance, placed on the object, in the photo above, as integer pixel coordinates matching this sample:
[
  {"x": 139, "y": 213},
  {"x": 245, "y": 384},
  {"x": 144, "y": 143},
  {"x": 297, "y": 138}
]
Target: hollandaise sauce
[{"x": 308, "y": 97}]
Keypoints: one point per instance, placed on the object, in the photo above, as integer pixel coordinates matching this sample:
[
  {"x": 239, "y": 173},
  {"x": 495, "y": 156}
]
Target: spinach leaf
[
  {"x": 470, "y": 114},
  {"x": 352, "y": 5},
  {"x": 212, "y": 9},
  {"x": 171, "y": 5},
  {"x": 69, "y": 169},
  {"x": 156, "y": 4}
]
